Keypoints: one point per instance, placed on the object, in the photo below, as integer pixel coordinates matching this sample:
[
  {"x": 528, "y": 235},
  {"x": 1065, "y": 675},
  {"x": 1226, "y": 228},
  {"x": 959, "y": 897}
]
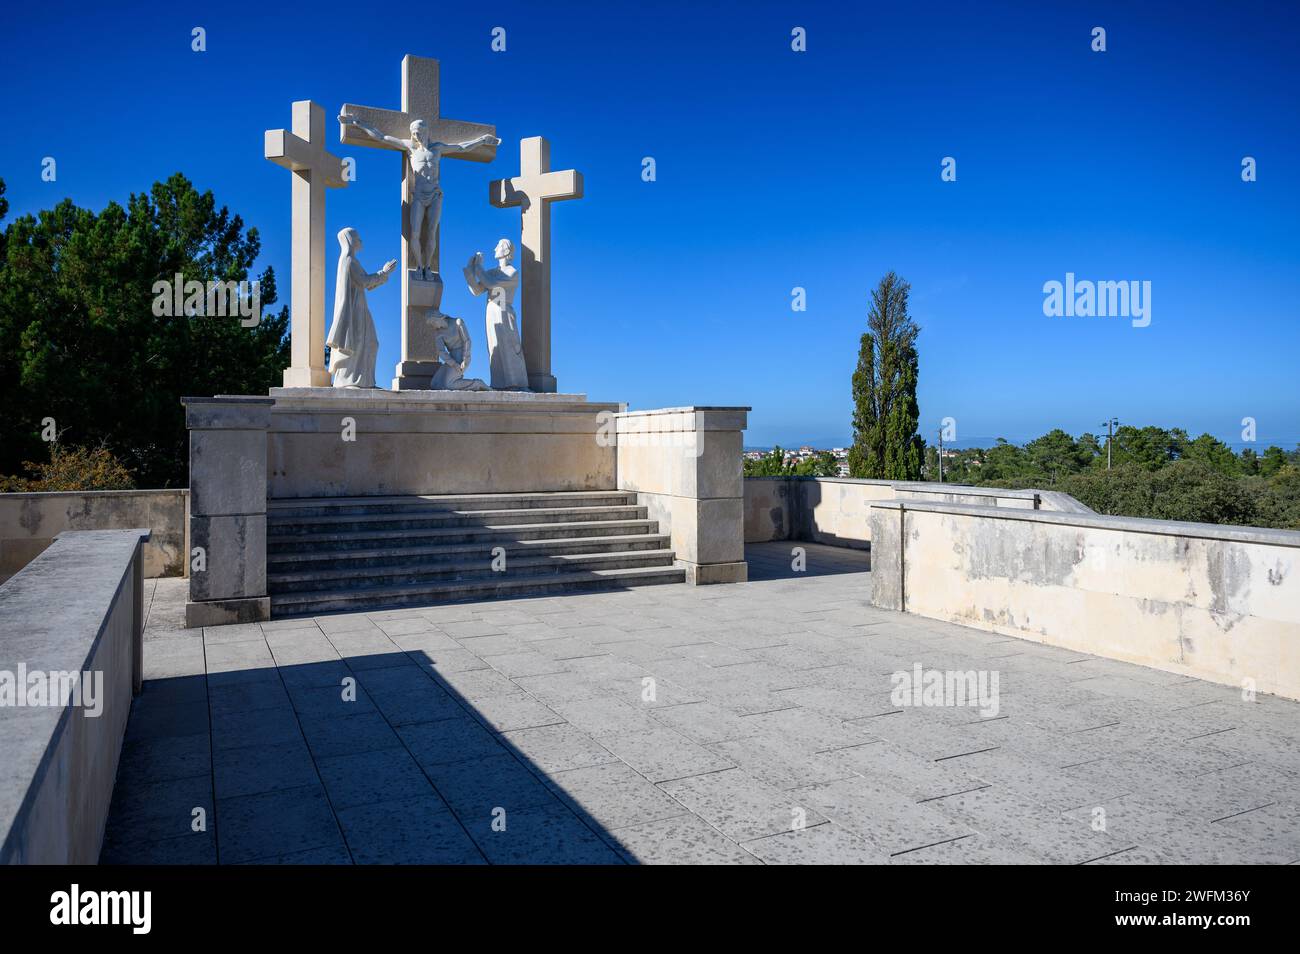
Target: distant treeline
[{"x": 1158, "y": 473}]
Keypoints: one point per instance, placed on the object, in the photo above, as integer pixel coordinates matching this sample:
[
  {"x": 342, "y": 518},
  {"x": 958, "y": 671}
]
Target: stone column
[
  {"x": 227, "y": 509},
  {"x": 685, "y": 466}
]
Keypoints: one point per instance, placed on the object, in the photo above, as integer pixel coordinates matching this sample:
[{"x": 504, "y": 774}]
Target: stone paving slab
[{"x": 752, "y": 723}]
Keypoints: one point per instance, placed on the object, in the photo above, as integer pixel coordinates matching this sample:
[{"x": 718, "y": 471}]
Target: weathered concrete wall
[
  {"x": 1219, "y": 603},
  {"x": 435, "y": 442},
  {"x": 837, "y": 510},
  {"x": 685, "y": 466},
  {"x": 768, "y": 509},
  {"x": 60, "y": 763},
  {"x": 30, "y": 522}
]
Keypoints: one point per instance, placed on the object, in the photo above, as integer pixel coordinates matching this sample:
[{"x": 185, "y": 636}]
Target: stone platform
[
  {"x": 434, "y": 442},
  {"x": 770, "y": 697},
  {"x": 322, "y": 444}
]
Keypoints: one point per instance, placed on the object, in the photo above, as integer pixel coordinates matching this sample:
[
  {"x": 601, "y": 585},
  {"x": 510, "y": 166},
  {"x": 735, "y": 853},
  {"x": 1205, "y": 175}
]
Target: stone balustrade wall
[
  {"x": 77, "y": 609},
  {"x": 837, "y": 510},
  {"x": 1215, "y": 602},
  {"x": 30, "y": 522}
]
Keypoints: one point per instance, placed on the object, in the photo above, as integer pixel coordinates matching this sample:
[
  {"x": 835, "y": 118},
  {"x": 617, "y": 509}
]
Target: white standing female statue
[
  {"x": 505, "y": 349},
  {"x": 354, "y": 346}
]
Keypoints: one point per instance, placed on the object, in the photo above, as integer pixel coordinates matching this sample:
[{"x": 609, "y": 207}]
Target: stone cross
[
  {"x": 420, "y": 100},
  {"x": 534, "y": 191},
  {"x": 302, "y": 151}
]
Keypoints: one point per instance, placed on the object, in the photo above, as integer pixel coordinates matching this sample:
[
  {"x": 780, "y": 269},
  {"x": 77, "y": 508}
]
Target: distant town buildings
[{"x": 806, "y": 452}]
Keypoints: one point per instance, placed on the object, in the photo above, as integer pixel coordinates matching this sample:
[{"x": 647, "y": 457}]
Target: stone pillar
[
  {"x": 227, "y": 509},
  {"x": 418, "y": 365},
  {"x": 685, "y": 466}
]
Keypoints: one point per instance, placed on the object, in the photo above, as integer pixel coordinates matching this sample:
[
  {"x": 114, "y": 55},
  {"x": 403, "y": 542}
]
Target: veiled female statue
[
  {"x": 354, "y": 345},
  {"x": 505, "y": 348}
]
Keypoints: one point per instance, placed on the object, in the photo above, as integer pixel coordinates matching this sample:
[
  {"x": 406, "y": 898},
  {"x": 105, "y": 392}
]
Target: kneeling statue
[{"x": 451, "y": 345}]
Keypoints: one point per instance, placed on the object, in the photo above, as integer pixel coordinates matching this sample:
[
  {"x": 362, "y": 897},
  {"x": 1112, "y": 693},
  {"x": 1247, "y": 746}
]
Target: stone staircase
[{"x": 333, "y": 554}]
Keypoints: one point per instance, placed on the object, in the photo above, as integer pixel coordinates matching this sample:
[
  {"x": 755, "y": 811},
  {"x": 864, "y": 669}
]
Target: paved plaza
[{"x": 734, "y": 724}]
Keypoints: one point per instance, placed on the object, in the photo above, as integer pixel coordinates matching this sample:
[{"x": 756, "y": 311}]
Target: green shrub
[{"x": 71, "y": 468}]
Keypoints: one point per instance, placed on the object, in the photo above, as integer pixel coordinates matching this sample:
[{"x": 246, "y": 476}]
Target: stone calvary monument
[{"x": 331, "y": 493}]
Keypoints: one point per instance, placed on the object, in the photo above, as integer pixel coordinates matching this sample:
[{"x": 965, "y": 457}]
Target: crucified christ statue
[{"x": 426, "y": 201}]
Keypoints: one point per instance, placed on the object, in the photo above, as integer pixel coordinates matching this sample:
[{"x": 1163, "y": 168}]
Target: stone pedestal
[
  {"x": 340, "y": 442},
  {"x": 419, "y": 362},
  {"x": 542, "y": 383},
  {"x": 228, "y": 479},
  {"x": 306, "y": 377},
  {"x": 685, "y": 466}
]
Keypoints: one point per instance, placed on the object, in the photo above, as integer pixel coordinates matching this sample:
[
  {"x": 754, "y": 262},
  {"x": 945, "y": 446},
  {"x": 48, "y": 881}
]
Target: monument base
[
  {"x": 295, "y": 377},
  {"x": 414, "y": 375},
  {"x": 249, "y": 609},
  {"x": 706, "y": 574},
  {"x": 346, "y": 442},
  {"x": 541, "y": 383},
  {"x": 419, "y": 297}
]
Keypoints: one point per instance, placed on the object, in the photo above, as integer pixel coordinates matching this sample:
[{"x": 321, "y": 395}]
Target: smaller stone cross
[
  {"x": 533, "y": 191},
  {"x": 302, "y": 151}
]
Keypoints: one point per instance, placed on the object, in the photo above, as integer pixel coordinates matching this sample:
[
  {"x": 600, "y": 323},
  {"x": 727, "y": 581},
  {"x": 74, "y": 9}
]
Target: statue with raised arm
[
  {"x": 452, "y": 346},
  {"x": 505, "y": 346},
  {"x": 423, "y": 154}
]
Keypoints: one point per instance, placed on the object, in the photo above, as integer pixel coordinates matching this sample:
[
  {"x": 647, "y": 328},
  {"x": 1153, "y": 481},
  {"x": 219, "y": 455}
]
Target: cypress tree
[{"x": 886, "y": 443}]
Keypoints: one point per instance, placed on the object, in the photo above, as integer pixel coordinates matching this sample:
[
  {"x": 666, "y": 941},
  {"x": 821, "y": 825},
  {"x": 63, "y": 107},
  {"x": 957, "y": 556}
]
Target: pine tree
[
  {"x": 79, "y": 340},
  {"x": 886, "y": 443}
]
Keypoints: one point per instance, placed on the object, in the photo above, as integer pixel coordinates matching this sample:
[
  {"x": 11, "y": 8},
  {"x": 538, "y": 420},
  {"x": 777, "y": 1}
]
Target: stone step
[
  {"x": 279, "y": 526},
  {"x": 423, "y": 594},
  {"x": 398, "y": 574},
  {"x": 298, "y": 559},
  {"x": 331, "y": 506},
  {"x": 374, "y": 539}
]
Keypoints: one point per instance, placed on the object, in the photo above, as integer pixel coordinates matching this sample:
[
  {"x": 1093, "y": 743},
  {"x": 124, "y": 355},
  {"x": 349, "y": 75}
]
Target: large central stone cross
[
  {"x": 420, "y": 100},
  {"x": 302, "y": 151},
  {"x": 533, "y": 191}
]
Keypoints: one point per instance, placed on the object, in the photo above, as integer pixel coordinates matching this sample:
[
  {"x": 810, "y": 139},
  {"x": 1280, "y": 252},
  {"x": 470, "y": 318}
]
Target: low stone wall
[
  {"x": 837, "y": 510},
  {"x": 76, "y": 609},
  {"x": 684, "y": 464},
  {"x": 1215, "y": 602},
  {"x": 30, "y": 522}
]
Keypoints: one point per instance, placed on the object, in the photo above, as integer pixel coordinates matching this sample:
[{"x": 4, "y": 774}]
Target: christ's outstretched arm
[
  {"x": 372, "y": 132},
  {"x": 470, "y": 143}
]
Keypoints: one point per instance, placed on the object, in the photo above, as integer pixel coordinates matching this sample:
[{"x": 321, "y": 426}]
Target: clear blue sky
[{"x": 775, "y": 169}]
